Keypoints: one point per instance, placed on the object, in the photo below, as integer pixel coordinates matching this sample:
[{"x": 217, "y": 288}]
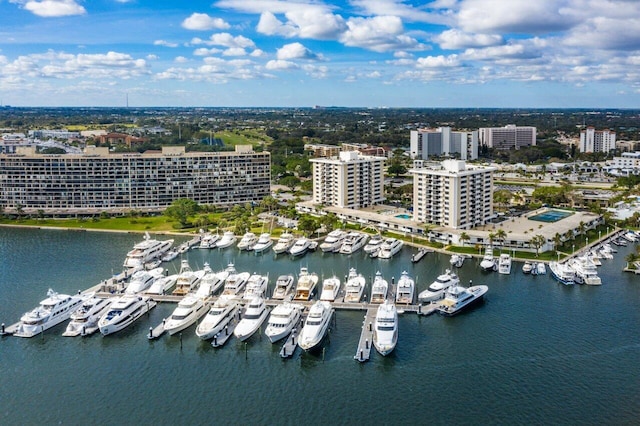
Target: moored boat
[
  {"x": 504, "y": 264},
  {"x": 389, "y": 248},
  {"x": 227, "y": 240},
  {"x": 284, "y": 243},
  {"x": 379, "y": 289},
  {"x": 354, "y": 287},
  {"x": 264, "y": 243},
  {"x": 123, "y": 312},
  {"x": 333, "y": 241},
  {"x": 188, "y": 311},
  {"x": 562, "y": 272},
  {"x": 247, "y": 241},
  {"x": 84, "y": 320},
  {"x": 306, "y": 285},
  {"x": 330, "y": 289},
  {"x": 253, "y": 317},
  {"x": 219, "y": 316},
  {"x": 385, "y": 334},
  {"x": 53, "y": 310},
  {"x": 438, "y": 287},
  {"x": 284, "y": 283},
  {"x": 458, "y": 298},
  {"x": 145, "y": 251},
  {"x": 315, "y": 326},
  {"x": 406, "y": 289},
  {"x": 282, "y": 320}
]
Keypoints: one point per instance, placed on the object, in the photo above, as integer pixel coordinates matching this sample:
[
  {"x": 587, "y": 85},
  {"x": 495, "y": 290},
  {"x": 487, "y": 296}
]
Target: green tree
[
  {"x": 464, "y": 237},
  {"x": 307, "y": 224},
  {"x": 181, "y": 209},
  {"x": 537, "y": 241},
  {"x": 291, "y": 182},
  {"x": 397, "y": 169},
  {"x": 502, "y": 236}
]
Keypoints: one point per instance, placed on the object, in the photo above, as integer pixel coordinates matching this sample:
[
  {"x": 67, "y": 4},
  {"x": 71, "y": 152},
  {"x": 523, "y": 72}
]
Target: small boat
[
  {"x": 187, "y": 279},
  {"x": 315, "y": 326},
  {"x": 170, "y": 255},
  {"x": 488, "y": 262},
  {"x": 374, "y": 244},
  {"x": 142, "y": 280},
  {"x": 417, "y": 257},
  {"x": 152, "y": 264},
  {"x": 330, "y": 289},
  {"x": 406, "y": 289},
  {"x": 84, "y": 321},
  {"x": 541, "y": 268},
  {"x": 162, "y": 285},
  {"x": 458, "y": 298},
  {"x": 252, "y": 319},
  {"x": 235, "y": 282},
  {"x": 389, "y": 248},
  {"x": 221, "y": 313},
  {"x": 527, "y": 268},
  {"x": 256, "y": 287},
  {"x": 53, "y": 310},
  {"x": 456, "y": 260},
  {"x": 585, "y": 270},
  {"x": 306, "y": 285},
  {"x": 379, "y": 289},
  {"x": 562, "y": 272},
  {"x": 247, "y": 241},
  {"x": 282, "y": 320},
  {"x": 284, "y": 243},
  {"x": 284, "y": 283},
  {"x": 188, "y": 311},
  {"x": 208, "y": 240},
  {"x": 353, "y": 242},
  {"x": 145, "y": 251},
  {"x": 300, "y": 247},
  {"x": 437, "y": 288},
  {"x": 264, "y": 243},
  {"x": 123, "y": 312},
  {"x": 333, "y": 241},
  {"x": 227, "y": 240},
  {"x": 354, "y": 287},
  {"x": 385, "y": 334},
  {"x": 504, "y": 264}
]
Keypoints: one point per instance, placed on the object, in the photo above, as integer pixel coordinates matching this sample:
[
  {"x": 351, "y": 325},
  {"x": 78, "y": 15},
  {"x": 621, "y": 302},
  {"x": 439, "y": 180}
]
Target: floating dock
[
  {"x": 366, "y": 337},
  {"x": 155, "y": 333},
  {"x": 289, "y": 347},
  {"x": 222, "y": 337}
]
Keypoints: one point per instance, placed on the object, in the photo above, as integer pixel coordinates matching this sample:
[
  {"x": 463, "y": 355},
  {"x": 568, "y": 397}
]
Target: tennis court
[{"x": 550, "y": 216}]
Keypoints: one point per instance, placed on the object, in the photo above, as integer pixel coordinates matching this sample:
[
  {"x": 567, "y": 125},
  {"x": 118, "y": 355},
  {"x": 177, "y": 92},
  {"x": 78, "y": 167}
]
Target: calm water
[{"x": 533, "y": 352}]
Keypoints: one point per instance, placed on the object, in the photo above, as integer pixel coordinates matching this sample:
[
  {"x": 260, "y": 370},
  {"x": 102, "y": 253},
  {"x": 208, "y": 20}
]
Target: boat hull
[{"x": 111, "y": 328}]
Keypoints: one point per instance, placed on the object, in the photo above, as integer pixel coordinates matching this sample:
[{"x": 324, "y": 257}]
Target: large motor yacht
[
  {"x": 585, "y": 270},
  {"x": 145, "y": 251},
  {"x": 211, "y": 281},
  {"x": 330, "y": 289},
  {"x": 306, "y": 285},
  {"x": 142, "y": 280},
  {"x": 264, "y": 243},
  {"x": 53, "y": 310},
  {"x": 235, "y": 282},
  {"x": 284, "y": 243},
  {"x": 458, "y": 298},
  {"x": 488, "y": 262},
  {"x": 188, "y": 311},
  {"x": 187, "y": 279},
  {"x": 252, "y": 319},
  {"x": 247, "y": 241},
  {"x": 84, "y": 321},
  {"x": 385, "y": 334},
  {"x": 208, "y": 240},
  {"x": 562, "y": 272},
  {"x": 256, "y": 287},
  {"x": 379, "y": 289},
  {"x": 374, "y": 244},
  {"x": 456, "y": 260},
  {"x": 162, "y": 285},
  {"x": 227, "y": 240},
  {"x": 406, "y": 289},
  {"x": 315, "y": 326},
  {"x": 284, "y": 283},
  {"x": 123, "y": 312},
  {"x": 219, "y": 316},
  {"x": 437, "y": 288},
  {"x": 300, "y": 247},
  {"x": 354, "y": 242},
  {"x": 389, "y": 248},
  {"x": 282, "y": 320},
  {"x": 504, "y": 264},
  {"x": 333, "y": 241},
  {"x": 354, "y": 287}
]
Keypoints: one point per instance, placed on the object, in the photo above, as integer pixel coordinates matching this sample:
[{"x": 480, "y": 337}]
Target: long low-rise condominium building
[{"x": 100, "y": 181}]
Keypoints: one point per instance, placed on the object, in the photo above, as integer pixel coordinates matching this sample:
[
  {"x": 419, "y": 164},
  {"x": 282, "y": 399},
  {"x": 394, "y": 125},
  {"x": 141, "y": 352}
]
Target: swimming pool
[
  {"x": 403, "y": 216},
  {"x": 550, "y": 216}
]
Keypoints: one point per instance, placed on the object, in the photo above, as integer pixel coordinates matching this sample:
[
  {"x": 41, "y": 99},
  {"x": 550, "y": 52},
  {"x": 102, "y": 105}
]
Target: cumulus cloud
[
  {"x": 313, "y": 23},
  {"x": 454, "y": 39},
  {"x": 401, "y": 9},
  {"x": 606, "y": 33},
  {"x": 52, "y": 8},
  {"x": 439, "y": 61},
  {"x": 226, "y": 40},
  {"x": 164, "y": 43},
  {"x": 379, "y": 34},
  {"x": 295, "y": 51},
  {"x": 279, "y": 64},
  {"x": 204, "y": 22}
]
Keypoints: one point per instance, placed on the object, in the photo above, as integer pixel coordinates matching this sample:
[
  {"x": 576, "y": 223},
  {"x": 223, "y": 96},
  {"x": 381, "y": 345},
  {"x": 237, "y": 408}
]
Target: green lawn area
[
  {"x": 147, "y": 223},
  {"x": 242, "y": 137}
]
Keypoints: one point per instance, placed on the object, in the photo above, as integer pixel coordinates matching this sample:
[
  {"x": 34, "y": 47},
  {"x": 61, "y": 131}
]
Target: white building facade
[
  {"x": 350, "y": 180},
  {"x": 426, "y": 143},
  {"x": 592, "y": 140},
  {"x": 452, "y": 194},
  {"x": 507, "y": 137}
]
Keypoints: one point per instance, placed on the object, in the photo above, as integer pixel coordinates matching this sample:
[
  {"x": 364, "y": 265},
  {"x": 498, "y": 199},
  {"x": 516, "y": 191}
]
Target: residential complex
[
  {"x": 507, "y": 137},
  {"x": 98, "y": 181},
  {"x": 452, "y": 194},
  {"x": 592, "y": 140},
  {"x": 426, "y": 143},
  {"x": 351, "y": 180}
]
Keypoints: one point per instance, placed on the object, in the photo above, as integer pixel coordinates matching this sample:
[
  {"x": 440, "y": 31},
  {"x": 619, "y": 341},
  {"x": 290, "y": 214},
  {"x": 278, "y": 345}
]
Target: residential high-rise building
[
  {"x": 592, "y": 140},
  {"x": 507, "y": 137},
  {"x": 350, "y": 180},
  {"x": 426, "y": 143},
  {"x": 98, "y": 181},
  {"x": 452, "y": 194}
]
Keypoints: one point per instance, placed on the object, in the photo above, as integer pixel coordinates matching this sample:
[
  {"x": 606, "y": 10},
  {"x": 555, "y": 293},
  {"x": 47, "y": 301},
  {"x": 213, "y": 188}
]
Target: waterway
[{"x": 535, "y": 352}]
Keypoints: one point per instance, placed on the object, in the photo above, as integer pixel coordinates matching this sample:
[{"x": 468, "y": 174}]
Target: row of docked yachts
[
  {"x": 582, "y": 269},
  {"x": 343, "y": 242}
]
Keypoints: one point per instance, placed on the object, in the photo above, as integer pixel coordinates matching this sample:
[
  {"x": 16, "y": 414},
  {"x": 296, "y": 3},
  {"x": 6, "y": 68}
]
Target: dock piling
[
  {"x": 150, "y": 332},
  {"x": 180, "y": 340},
  {"x": 2, "y": 328}
]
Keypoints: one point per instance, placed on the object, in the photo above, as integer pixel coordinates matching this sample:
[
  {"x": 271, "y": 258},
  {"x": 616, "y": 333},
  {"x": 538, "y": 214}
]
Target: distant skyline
[{"x": 351, "y": 53}]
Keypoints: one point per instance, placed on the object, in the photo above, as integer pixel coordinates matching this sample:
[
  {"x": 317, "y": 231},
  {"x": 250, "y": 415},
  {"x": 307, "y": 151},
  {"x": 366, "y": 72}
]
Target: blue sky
[{"x": 369, "y": 53}]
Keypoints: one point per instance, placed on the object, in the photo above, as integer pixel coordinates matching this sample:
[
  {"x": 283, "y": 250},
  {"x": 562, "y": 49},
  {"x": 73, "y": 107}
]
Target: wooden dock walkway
[
  {"x": 366, "y": 337},
  {"x": 221, "y": 338},
  {"x": 289, "y": 347},
  {"x": 157, "y": 331}
]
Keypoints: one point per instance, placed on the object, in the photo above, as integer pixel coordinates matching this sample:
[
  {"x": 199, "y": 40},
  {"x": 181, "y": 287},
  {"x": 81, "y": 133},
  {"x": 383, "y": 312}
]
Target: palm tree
[
  {"x": 631, "y": 258},
  {"x": 537, "y": 241},
  {"x": 464, "y": 237},
  {"x": 557, "y": 240},
  {"x": 491, "y": 237},
  {"x": 501, "y": 235}
]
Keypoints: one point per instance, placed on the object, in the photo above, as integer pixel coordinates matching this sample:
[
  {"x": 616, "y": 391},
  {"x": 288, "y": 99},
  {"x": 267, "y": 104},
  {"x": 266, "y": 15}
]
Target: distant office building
[
  {"x": 507, "y": 137},
  {"x": 9, "y": 142},
  {"x": 452, "y": 194},
  {"x": 592, "y": 140},
  {"x": 322, "y": 150},
  {"x": 426, "y": 143},
  {"x": 350, "y": 180},
  {"x": 97, "y": 180},
  {"x": 53, "y": 134}
]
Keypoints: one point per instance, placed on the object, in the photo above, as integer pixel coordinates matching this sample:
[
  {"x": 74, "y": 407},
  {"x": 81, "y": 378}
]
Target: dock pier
[
  {"x": 366, "y": 337},
  {"x": 289, "y": 347}
]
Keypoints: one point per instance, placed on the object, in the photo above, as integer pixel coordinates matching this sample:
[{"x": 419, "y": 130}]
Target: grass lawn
[
  {"x": 147, "y": 223},
  {"x": 242, "y": 137}
]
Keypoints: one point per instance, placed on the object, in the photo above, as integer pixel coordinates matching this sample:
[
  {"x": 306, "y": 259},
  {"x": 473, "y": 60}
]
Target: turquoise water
[
  {"x": 403, "y": 216},
  {"x": 535, "y": 352},
  {"x": 550, "y": 216}
]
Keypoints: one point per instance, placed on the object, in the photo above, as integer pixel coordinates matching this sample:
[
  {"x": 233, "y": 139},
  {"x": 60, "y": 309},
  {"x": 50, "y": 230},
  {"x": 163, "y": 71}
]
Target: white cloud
[
  {"x": 180, "y": 60},
  {"x": 295, "y": 51},
  {"x": 606, "y": 33},
  {"x": 227, "y": 40},
  {"x": 315, "y": 71},
  {"x": 439, "y": 61},
  {"x": 164, "y": 43},
  {"x": 204, "y": 22},
  {"x": 401, "y": 9},
  {"x": 257, "y": 53},
  {"x": 379, "y": 34},
  {"x": 235, "y": 51},
  {"x": 454, "y": 39},
  {"x": 281, "y": 65},
  {"x": 203, "y": 51},
  {"x": 52, "y": 8},
  {"x": 312, "y": 23}
]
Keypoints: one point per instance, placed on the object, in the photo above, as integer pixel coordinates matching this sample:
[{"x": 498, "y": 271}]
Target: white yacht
[
  {"x": 353, "y": 242},
  {"x": 457, "y": 298},
  {"x": 253, "y": 317},
  {"x": 585, "y": 270},
  {"x": 306, "y": 284},
  {"x": 235, "y": 282},
  {"x": 354, "y": 287},
  {"x": 227, "y": 240},
  {"x": 300, "y": 247},
  {"x": 437, "y": 288},
  {"x": 171, "y": 254},
  {"x": 219, "y": 316},
  {"x": 488, "y": 262},
  {"x": 333, "y": 241},
  {"x": 142, "y": 280},
  {"x": 504, "y": 264},
  {"x": 284, "y": 243},
  {"x": 405, "y": 289},
  {"x": 330, "y": 289},
  {"x": 315, "y": 326},
  {"x": 188, "y": 311},
  {"x": 264, "y": 243},
  {"x": 385, "y": 334},
  {"x": 374, "y": 244},
  {"x": 211, "y": 282},
  {"x": 256, "y": 287},
  {"x": 282, "y": 320},
  {"x": 541, "y": 269},
  {"x": 208, "y": 240},
  {"x": 389, "y": 248},
  {"x": 562, "y": 272},
  {"x": 527, "y": 268},
  {"x": 123, "y": 312},
  {"x": 84, "y": 320},
  {"x": 187, "y": 279},
  {"x": 247, "y": 241},
  {"x": 145, "y": 251},
  {"x": 456, "y": 260},
  {"x": 53, "y": 310},
  {"x": 162, "y": 285},
  {"x": 284, "y": 283},
  {"x": 379, "y": 289}
]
